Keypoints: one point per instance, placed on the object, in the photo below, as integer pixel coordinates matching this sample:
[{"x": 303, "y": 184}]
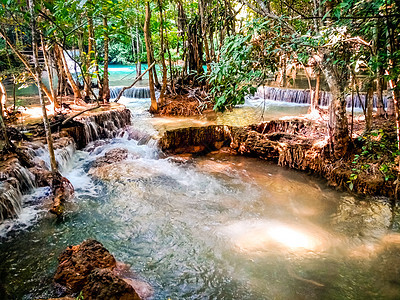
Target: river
[{"x": 212, "y": 227}]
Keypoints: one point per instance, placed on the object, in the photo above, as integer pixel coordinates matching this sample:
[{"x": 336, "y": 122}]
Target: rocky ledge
[{"x": 295, "y": 143}]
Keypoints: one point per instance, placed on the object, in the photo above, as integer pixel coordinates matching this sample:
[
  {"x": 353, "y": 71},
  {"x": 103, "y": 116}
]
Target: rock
[
  {"x": 112, "y": 156},
  {"x": 103, "y": 284},
  {"x": 77, "y": 262}
]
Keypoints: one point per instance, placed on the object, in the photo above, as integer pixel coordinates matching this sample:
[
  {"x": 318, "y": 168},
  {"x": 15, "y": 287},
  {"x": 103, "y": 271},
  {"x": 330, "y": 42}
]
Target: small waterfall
[
  {"x": 64, "y": 156},
  {"x": 21, "y": 174},
  {"x": 134, "y": 92},
  {"x": 15, "y": 181},
  {"x": 104, "y": 125},
  {"x": 303, "y": 96},
  {"x": 10, "y": 200}
]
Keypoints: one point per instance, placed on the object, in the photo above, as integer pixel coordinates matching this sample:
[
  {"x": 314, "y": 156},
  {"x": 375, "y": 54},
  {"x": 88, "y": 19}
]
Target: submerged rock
[
  {"x": 103, "y": 284},
  {"x": 112, "y": 156},
  {"x": 90, "y": 269}
]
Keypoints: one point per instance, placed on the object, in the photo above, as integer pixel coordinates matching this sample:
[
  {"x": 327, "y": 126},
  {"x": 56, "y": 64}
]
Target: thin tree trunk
[
  {"x": 106, "y": 87},
  {"x": 317, "y": 88},
  {"x": 48, "y": 68},
  {"x": 139, "y": 63},
  {"x": 71, "y": 81},
  {"x": 164, "y": 66},
  {"x": 4, "y": 131},
  {"x": 154, "y": 105},
  {"x": 396, "y": 108},
  {"x": 170, "y": 62},
  {"x": 202, "y": 8},
  {"x": 380, "y": 107},
  {"x": 14, "y": 94},
  {"x": 46, "y": 122},
  {"x": 89, "y": 58},
  {"x": 156, "y": 81},
  {"x": 370, "y": 107},
  {"x": 27, "y": 66},
  {"x": 313, "y": 105},
  {"x": 3, "y": 99}
]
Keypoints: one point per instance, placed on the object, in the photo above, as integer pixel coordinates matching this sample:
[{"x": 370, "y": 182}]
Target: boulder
[
  {"x": 92, "y": 272},
  {"x": 103, "y": 284},
  {"x": 77, "y": 262}
]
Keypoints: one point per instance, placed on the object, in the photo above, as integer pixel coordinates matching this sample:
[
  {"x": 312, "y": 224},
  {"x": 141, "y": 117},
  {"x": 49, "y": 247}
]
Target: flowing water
[{"x": 213, "y": 227}]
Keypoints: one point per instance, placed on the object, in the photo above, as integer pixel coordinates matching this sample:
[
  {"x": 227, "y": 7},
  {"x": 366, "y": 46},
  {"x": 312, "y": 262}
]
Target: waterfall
[
  {"x": 15, "y": 181},
  {"x": 134, "y": 92},
  {"x": 10, "y": 201},
  {"x": 303, "y": 96},
  {"x": 104, "y": 125},
  {"x": 64, "y": 156}
]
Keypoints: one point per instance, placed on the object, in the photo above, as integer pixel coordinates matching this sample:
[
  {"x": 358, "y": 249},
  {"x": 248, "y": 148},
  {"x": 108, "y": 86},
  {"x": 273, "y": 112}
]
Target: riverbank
[{"x": 301, "y": 144}]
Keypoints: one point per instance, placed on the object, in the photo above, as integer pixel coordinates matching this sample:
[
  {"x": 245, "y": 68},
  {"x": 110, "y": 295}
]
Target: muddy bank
[
  {"x": 297, "y": 144},
  {"x": 19, "y": 176}
]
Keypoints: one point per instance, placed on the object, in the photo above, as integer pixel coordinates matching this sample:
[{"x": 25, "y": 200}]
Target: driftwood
[{"x": 136, "y": 80}]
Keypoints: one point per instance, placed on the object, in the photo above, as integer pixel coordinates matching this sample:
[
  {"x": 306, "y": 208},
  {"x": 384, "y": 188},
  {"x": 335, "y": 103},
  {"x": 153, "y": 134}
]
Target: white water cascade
[
  {"x": 134, "y": 92},
  {"x": 303, "y": 96}
]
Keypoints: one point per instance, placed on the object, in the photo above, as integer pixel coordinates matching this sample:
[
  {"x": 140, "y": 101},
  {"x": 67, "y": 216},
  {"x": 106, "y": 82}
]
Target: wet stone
[
  {"x": 112, "y": 156},
  {"x": 77, "y": 262}
]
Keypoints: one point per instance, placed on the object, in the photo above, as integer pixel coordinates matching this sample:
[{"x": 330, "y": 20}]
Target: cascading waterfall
[
  {"x": 303, "y": 96},
  {"x": 134, "y": 92},
  {"x": 104, "y": 125},
  {"x": 14, "y": 183},
  {"x": 10, "y": 200}
]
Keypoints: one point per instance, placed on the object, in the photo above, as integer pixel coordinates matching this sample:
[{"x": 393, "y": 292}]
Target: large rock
[
  {"x": 90, "y": 270},
  {"x": 77, "y": 262},
  {"x": 103, "y": 284}
]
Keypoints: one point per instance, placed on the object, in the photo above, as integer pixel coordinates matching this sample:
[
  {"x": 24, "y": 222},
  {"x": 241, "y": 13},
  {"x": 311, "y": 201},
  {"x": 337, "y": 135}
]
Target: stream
[{"x": 212, "y": 227}]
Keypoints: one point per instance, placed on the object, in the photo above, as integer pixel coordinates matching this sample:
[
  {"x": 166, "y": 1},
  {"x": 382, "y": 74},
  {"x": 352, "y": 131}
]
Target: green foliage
[
  {"x": 245, "y": 62},
  {"x": 378, "y": 153}
]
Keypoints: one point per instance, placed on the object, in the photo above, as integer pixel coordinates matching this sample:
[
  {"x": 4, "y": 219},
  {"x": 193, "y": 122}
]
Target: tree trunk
[
  {"x": 369, "y": 99},
  {"x": 380, "y": 107},
  {"x": 3, "y": 99},
  {"x": 338, "y": 117},
  {"x": 317, "y": 88},
  {"x": 147, "y": 37},
  {"x": 106, "y": 87},
  {"x": 139, "y": 63},
  {"x": 27, "y": 66},
  {"x": 89, "y": 58},
  {"x": 313, "y": 104},
  {"x": 202, "y": 9},
  {"x": 156, "y": 81},
  {"x": 70, "y": 79},
  {"x": 164, "y": 66},
  {"x": 38, "y": 83},
  {"x": 48, "y": 68}
]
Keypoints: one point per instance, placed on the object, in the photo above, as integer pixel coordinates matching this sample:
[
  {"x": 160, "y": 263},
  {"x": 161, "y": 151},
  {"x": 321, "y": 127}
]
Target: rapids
[{"x": 213, "y": 227}]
